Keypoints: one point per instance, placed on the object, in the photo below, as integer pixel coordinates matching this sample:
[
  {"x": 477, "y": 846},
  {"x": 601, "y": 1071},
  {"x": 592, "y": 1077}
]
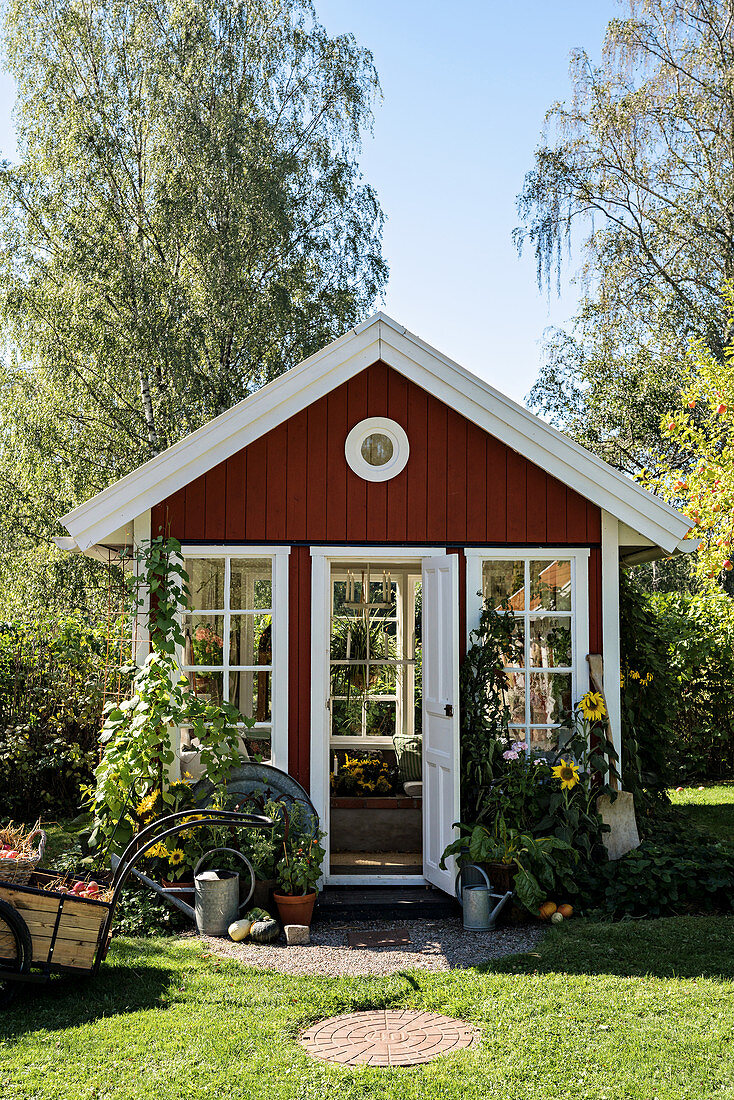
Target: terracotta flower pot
[{"x": 295, "y": 908}]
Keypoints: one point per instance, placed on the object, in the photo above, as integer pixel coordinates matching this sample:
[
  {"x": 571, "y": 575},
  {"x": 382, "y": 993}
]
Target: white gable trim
[{"x": 377, "y": 338}]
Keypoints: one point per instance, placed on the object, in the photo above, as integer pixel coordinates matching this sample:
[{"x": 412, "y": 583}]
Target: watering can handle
[
  {"x": 245, "y": 860},
  {"x": 459, "y": 888}
]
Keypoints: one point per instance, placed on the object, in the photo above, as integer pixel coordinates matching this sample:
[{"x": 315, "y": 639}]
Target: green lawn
[
  {"x": 710, "y": 809},
  {"x": 601, "y": 1012}
]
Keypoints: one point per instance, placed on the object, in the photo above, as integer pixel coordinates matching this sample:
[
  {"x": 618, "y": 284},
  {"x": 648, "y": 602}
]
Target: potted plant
[
  {"x": 529, "y": 863},
  {"x": 299, "y": 868},
  {"x": 263, "y": 846}
]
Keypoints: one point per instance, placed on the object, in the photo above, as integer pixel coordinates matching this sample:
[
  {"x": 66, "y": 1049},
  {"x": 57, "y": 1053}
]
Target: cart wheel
[{"x": 16, "y": 951}]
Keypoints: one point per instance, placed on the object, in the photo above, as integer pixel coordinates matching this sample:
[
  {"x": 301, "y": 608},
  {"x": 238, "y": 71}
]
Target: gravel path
[{"x": 434, "y": 945}]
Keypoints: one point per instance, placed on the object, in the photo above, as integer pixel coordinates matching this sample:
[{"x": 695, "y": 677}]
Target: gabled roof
[{"x": 379, "y": 337}]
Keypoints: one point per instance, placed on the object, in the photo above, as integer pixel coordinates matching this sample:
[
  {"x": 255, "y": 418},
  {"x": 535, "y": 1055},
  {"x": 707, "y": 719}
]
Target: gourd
[
  {"x": 263, "y": 928},
  {"x": 264, "y": 931},
  {"x": 258, "y": 914},
  {"x": 240, "y": 929}
]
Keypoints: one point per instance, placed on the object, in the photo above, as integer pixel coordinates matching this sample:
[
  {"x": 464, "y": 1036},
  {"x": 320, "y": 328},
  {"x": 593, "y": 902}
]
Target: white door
[{"x": 440, "y": 636}]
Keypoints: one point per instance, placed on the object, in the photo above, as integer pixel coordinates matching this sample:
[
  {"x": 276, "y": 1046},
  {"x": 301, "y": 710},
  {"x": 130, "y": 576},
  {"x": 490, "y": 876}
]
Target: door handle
[{"x": 449, "y": 710}]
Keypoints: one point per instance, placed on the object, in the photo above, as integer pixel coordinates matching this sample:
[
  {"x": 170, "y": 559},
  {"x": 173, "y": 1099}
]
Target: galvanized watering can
[
  {"x": 217, "y": 895},
  {"x": 474, "y": 897}
]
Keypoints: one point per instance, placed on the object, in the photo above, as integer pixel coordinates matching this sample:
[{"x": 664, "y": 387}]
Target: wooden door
[{"x": 440, "y": 635}]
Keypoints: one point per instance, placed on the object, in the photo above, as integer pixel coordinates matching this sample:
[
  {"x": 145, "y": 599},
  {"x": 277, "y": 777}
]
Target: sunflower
[
  {"x": 592, "y": 706},
  {"x": 568, "y": 773},
  {"x": 176, "y": 857},
  {"x": 145, "y": 806},
  {"x": 158, "y": 851}
]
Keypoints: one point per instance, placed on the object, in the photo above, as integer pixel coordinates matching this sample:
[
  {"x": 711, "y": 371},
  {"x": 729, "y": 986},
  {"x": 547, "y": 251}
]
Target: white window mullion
[{"x": 225, "y": 639}]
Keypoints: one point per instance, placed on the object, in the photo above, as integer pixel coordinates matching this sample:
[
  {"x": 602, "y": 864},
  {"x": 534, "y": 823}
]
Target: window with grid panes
[
  {"x": 540, "y": 679},
  {"x": 374, "y": 679},
  {"x": 228, "y": 632}
]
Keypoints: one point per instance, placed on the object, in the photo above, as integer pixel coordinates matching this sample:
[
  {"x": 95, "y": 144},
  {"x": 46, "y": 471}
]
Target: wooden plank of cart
[{"x": 47, "y": 931}]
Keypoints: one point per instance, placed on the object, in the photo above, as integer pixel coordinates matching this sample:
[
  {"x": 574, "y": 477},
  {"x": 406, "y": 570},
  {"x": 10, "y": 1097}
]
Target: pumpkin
[
  {"x": 264, "y": 931},
  {"x": 547, "y": 910},
  {"x": 565, "y": 910},
  {"x": 557, "y": 917}
]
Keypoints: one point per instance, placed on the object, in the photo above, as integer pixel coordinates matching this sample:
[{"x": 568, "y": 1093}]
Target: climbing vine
[
  {"x": 485, "y": 715},
  {"x": 137, "y": 752}
]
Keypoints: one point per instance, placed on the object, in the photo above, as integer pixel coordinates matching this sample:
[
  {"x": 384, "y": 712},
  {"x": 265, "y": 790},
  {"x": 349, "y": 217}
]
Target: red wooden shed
[{"x": 341, "y": 527}]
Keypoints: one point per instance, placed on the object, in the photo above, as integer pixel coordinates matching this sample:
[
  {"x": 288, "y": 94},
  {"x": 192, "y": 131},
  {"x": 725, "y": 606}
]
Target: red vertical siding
[
  {"x": 215, "y": 495},
  {"x": 417, "y": 478},
  {"x": 460, "y": 487},
  {"x": 299, "y": 661},
  {"x": 396, "y": 500},
  {"x": 595, "y": 624}
]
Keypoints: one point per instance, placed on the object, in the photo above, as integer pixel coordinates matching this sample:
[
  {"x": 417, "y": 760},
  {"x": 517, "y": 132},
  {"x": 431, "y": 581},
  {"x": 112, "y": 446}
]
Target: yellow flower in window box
[
  {"x": 568, "y": 773},
  {"x": 592, "y": 706}
]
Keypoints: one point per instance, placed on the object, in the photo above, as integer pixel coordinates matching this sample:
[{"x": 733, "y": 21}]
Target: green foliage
[
  {"x": 301, "y": 856},
  {"x": 52, "y": 684},
  {"x": 136, "y": 737},
  {"x": 624, "y": 170},
  {"x": 485, "y": 715},
  {"x": 185, "y": 221},
  {"x": 678, "y": 669},
  {"x": 541, "y": 862},
  {"x": 140, "y": 913},
  {"x": 661, "y": 878}
]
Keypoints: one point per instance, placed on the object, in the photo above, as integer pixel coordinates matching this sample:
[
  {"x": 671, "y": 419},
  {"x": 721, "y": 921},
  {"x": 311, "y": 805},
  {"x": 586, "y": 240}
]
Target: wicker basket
[{"x": 18, "y": 871}]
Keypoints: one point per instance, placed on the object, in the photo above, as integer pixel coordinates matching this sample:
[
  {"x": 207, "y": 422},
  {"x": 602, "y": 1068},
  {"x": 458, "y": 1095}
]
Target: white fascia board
[
  {"x": 378, "y": 337},
  {"x": 216, "y": 441},
  {"x": 535, "y": 440}
]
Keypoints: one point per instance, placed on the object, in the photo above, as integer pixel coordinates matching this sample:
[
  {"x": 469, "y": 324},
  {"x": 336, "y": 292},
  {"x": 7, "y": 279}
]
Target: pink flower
[{"x": 510, "y": 754}]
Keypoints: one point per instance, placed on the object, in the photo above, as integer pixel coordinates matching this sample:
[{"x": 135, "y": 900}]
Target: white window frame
[
  {"x": 279, "y": 674},
  {"x": 579, "y": 558},
  {"x": 322, "y": 558},
  {"x": 406, "y": 581},
  {"x": 397, "y": 436}
]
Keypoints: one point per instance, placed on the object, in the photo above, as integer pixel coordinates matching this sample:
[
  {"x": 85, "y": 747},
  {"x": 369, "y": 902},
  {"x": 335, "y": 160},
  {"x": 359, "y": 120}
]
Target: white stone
[{"x": 297, "y": 934}]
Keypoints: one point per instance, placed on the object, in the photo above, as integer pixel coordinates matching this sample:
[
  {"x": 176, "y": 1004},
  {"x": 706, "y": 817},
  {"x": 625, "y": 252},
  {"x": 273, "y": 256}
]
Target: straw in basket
[{"x": 19, "y": 869}]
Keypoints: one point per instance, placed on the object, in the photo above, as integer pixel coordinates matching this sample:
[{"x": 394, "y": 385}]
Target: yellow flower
[
  {"x": 146, "y": 804},
  {"x": 592, "y": 706},
  {"x": 158, "y": 851},
  {"x": 176, "y": 857},
  {"x": 568, "y": 773}
]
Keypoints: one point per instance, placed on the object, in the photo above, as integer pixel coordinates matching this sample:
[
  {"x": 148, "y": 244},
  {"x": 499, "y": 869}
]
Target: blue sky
[{"x": 465, "y": 85}]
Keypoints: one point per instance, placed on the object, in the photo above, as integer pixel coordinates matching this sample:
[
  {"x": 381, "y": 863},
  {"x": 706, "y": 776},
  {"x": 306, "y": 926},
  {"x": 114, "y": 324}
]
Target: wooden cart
[{"x": 44, "y": 931}]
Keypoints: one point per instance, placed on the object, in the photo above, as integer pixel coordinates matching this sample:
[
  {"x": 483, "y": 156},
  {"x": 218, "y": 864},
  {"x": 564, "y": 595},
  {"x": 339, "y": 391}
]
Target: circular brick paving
[{"x": 388, "y": 1037}]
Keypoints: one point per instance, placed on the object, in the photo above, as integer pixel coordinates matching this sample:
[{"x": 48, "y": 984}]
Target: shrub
[
  {"x": 678, "y": 680},
  {"x": 662, "y": 878},
  {"x": 52, "y": 685}
]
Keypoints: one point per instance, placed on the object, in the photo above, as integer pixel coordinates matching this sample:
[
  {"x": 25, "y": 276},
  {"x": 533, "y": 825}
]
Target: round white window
[{"x": 377, "y": 449}]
